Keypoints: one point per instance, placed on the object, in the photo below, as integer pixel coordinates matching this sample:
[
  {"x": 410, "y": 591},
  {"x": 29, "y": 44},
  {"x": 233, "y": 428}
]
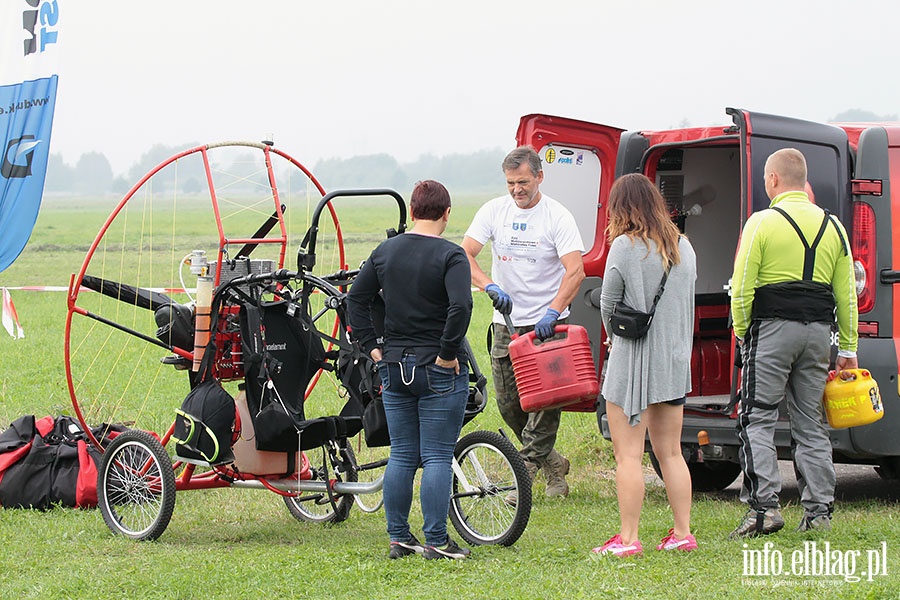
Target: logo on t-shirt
[{"x": 520, "y": 226}]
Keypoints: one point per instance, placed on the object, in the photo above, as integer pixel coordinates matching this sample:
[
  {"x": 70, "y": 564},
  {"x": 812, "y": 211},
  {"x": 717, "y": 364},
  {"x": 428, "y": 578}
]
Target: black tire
[
  {"x": 493, "y": 468},
  {"x": 136, "y": 486},
  {"x": 315, "y": 507},
  {"x": 711, "y": 476}
]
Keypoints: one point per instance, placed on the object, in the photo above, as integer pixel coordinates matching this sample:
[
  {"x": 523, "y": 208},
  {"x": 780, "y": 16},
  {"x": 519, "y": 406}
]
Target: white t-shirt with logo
[{"x": 526, "y": 245}]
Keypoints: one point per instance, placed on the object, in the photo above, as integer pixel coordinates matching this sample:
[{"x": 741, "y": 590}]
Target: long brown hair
[{"x": 637, "y": 209}]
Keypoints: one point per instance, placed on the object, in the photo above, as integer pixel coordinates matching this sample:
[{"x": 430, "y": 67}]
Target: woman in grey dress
[{"x": 647, "y": 378}]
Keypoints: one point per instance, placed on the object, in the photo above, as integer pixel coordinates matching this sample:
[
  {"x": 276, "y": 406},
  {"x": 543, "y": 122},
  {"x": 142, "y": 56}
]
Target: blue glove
[
  {"x": 502, "y": 301},
  {"x": 545, "y": 328}
]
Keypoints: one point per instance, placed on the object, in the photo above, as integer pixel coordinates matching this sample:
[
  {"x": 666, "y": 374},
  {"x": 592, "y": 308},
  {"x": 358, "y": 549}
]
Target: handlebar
[
  {"x": 342, "y": 277},
  {"x": 306, "y": 254},
  {"x": 339, "y": 278}
]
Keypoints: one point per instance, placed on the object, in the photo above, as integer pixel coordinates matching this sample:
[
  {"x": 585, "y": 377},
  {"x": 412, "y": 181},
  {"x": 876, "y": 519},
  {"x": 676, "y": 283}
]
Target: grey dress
[{"x": 657, "y": 367}]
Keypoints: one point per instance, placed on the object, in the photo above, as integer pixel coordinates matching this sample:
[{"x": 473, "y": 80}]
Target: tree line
[
  {"x": 92, "y": 174},
  {"x": 476, "y": 172}
]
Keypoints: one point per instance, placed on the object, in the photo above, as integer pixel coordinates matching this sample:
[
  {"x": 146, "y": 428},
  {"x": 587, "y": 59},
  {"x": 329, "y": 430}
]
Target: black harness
[{"x": 804, "y": 300}]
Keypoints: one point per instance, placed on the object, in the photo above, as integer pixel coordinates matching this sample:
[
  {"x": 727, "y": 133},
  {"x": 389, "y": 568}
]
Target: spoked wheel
[
  {"x": 491, "y": 495},
  {"x": 316, "y": 507},
  {"x": 136, "y": 486}
]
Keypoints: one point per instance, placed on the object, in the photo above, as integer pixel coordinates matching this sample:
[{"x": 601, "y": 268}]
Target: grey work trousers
[
  {"x": 536, "y": 431},
  {"x": 785, "y": 359}
]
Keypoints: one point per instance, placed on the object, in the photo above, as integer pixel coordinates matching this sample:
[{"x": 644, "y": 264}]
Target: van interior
[{"x": 702, "y": 189}]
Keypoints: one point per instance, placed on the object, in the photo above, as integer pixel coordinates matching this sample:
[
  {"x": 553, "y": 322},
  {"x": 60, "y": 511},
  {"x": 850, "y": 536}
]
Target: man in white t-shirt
[{"x": 536, "y": 271}]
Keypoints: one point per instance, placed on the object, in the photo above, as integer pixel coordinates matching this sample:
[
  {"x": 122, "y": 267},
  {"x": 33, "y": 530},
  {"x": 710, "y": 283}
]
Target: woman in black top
[{"x": 426, "y": 285}]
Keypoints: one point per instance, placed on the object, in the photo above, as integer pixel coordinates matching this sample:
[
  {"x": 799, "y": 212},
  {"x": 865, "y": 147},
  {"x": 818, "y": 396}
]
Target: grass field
[{"x": 244, "y": 543}]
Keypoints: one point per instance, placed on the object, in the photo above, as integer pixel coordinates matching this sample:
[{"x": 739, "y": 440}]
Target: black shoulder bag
[{"x": 630, "y": 323}]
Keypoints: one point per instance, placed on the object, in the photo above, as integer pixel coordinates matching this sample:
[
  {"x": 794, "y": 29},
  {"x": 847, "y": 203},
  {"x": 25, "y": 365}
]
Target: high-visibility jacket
[{"x": 772, "y": 252}]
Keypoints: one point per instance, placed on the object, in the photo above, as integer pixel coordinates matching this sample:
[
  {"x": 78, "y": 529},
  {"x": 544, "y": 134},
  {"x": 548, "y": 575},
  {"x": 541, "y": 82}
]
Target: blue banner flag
[{"x": 29, "y": 30}]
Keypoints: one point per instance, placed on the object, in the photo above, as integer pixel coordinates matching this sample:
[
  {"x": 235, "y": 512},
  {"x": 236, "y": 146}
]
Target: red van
[{"x": 712, "y": 180}]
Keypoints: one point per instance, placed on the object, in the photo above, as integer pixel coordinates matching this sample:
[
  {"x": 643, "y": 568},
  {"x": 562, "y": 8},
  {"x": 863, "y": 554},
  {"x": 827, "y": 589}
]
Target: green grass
[{"x": 244, "y": 543}]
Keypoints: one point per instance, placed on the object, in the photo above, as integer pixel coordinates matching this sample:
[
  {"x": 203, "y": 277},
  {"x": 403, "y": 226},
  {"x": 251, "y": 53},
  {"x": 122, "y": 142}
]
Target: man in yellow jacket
[{"x": 793, "y": 269}]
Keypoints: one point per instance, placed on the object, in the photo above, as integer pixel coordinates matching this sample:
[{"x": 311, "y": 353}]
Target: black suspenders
[{"x": 809, "y": 259}]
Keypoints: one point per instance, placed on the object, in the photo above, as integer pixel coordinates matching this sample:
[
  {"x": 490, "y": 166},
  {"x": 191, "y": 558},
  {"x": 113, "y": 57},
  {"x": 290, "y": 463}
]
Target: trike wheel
[
  {"x": 490, "y": 500},
  {"x": 316, "y": 507},
  {"x": 136, "y": 486}
]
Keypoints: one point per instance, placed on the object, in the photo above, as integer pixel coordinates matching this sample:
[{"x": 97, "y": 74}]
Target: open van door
[
  {"x": 825, "y": 147},
  {"x": 827, "y": 152},
  {"x": 579, "y": 161}
]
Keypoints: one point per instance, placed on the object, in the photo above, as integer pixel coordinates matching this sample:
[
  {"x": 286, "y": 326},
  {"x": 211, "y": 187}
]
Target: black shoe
[
  {"x": 449, "y": 550},
  {"x": 410, "y": 546}
]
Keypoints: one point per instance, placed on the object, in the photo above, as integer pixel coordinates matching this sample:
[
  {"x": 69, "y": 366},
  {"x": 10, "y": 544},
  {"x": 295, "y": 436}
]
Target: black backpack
[{"x": 205, "y": 424}]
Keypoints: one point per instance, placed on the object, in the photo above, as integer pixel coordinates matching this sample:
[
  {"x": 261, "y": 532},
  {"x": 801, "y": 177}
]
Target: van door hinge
[{"x": 866, "y": 187}]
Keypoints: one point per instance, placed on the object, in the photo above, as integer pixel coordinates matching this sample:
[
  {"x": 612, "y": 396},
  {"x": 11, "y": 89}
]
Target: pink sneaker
[
  {"x": 616, "y": 547},
  {"x": 670, "y": 542}
]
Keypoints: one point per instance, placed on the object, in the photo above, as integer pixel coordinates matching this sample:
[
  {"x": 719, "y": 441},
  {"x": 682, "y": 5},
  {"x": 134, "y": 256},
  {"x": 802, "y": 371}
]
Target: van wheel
[{"x": 712, "y": 476}]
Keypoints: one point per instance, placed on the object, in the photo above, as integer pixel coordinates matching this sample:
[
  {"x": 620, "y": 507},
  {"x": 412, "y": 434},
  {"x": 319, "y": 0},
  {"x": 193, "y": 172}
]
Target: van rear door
[
  {"x": 825, "y": 147},
  {"x": 579, "y": 160}
]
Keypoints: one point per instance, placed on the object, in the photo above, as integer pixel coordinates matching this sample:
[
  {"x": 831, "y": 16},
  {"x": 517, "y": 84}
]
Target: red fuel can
[{"x": 555, "y": 373}]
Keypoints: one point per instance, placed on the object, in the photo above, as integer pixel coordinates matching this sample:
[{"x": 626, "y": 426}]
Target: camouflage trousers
[{"x": 536, "y": 431}]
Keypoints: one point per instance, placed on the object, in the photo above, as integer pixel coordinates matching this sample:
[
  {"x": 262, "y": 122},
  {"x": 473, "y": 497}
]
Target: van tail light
[{"x": 864, "y": 249}]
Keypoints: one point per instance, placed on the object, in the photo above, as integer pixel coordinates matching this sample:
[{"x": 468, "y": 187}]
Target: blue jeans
[{"x": 425, "y": 406}]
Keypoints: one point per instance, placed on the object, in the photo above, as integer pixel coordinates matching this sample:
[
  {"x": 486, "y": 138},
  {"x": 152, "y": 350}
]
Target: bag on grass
[{"x": 49, "y": 461}]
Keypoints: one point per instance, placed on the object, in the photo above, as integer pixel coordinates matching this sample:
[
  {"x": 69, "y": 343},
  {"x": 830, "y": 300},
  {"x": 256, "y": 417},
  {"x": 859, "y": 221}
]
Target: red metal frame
[
  {"x": 223, "y": 477},
  {"x": 219, "y": 477}
]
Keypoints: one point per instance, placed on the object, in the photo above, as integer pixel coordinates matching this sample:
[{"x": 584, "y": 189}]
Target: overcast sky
[{"x": 351, "y": 77}]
